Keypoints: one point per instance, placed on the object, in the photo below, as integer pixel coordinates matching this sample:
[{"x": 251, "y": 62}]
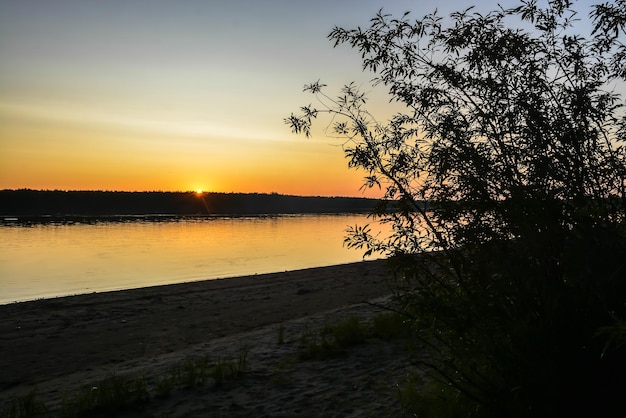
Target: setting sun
[{"x": 126, "y": 118}]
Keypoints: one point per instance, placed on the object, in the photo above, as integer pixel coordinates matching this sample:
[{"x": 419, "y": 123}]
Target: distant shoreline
[
  {"x": 95, "y": 219},
  {"x": 25, "y": 203}
]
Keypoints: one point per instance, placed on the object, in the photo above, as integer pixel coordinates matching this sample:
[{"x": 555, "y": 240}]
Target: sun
[{"x": 199, "y": 191}]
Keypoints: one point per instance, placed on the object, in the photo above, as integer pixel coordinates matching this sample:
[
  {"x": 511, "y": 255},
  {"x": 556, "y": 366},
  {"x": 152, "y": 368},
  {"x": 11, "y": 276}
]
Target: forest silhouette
[{"x": 57, "y": 203}]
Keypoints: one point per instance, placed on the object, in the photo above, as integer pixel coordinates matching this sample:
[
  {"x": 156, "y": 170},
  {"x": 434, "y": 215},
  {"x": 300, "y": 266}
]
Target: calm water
[{"x": 55, "y": 260}]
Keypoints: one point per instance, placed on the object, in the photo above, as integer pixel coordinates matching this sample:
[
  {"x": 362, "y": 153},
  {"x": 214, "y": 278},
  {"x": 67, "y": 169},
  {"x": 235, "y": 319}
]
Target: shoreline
[
  {"x": 239, "y": 278},
  {"x": 59, "y": 343}
]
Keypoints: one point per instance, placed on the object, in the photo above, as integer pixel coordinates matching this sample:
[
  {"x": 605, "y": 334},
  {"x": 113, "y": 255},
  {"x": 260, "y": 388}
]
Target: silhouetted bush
[{"x": 513, "y": 273}]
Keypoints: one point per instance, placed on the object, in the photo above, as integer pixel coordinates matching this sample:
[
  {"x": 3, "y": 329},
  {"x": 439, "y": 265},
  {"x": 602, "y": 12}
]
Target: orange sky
[
  {"x": 53, "y": 154},
  {"x": 175, "y": 96}
]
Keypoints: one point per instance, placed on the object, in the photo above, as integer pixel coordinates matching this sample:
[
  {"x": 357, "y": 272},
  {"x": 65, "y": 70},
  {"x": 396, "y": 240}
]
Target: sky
[{"x": 141, "y": 95}]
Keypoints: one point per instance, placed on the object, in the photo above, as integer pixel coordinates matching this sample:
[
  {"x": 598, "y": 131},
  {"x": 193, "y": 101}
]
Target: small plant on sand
[
  {"x": 195, "y": 372},
  {"x": 311, "y": 347},
  {"x": 331, "y": 340},
  {"x": 348, "y": 332},
  {"x": 390, "y": 325},
  {"x": 109, "y": 396},
  {"x": 220, "y": 372},
  {"x": 164, "y": 385},
  {"x": 225, "y": 370}
]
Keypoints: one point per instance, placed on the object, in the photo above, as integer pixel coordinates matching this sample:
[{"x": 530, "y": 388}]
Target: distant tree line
[{"x": 26, "y": 202}]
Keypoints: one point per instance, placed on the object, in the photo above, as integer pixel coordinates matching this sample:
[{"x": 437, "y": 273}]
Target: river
[{"x": 49, "y": 260}]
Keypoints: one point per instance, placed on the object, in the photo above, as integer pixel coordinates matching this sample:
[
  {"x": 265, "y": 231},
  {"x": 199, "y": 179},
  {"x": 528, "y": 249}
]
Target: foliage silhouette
[{"x": 513, "y": 272}]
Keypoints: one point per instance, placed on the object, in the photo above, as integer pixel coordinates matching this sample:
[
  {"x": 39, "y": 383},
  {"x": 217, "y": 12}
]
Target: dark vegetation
[
  {"x": 513, "y": 277},
  {"x": 34, "y": 203},
  {"x": 139, "y": 394},
  {"x": 130, "y": 394}
]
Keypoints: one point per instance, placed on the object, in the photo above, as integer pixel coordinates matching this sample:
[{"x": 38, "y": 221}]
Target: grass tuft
[
  {"x": 348, "y": 332},
  {"x": 226, "y": 370},
  {"x": 332, "y": 340},
  {"x": 390, "y": 325},
  {"x": 109, "y": 396}
]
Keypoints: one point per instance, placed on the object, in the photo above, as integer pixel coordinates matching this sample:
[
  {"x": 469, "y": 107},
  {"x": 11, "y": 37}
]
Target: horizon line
[{"x": 26, "y": 189}]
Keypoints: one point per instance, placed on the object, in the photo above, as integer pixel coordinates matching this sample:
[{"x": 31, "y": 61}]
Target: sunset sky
[{"x": 177, "y": 95}]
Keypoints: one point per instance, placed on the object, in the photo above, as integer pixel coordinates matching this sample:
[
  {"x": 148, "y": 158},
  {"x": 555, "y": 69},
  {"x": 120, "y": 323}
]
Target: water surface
[{"x": 54, "y": 260}]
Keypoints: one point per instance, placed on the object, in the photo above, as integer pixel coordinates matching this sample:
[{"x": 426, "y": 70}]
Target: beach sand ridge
[{"x": 60, "y": 345}]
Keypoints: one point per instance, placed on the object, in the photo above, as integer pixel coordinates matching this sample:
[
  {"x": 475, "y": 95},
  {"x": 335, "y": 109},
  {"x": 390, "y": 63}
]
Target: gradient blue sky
[{"x": 176, "y": 95}]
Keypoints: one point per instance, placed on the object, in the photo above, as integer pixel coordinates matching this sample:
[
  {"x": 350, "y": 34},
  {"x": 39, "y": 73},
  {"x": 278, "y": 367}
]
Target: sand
[{"x": 58, "y": 346}]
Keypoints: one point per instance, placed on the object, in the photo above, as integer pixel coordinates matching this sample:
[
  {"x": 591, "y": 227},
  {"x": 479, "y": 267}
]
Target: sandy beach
[{"x": 58, "y": 346}]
